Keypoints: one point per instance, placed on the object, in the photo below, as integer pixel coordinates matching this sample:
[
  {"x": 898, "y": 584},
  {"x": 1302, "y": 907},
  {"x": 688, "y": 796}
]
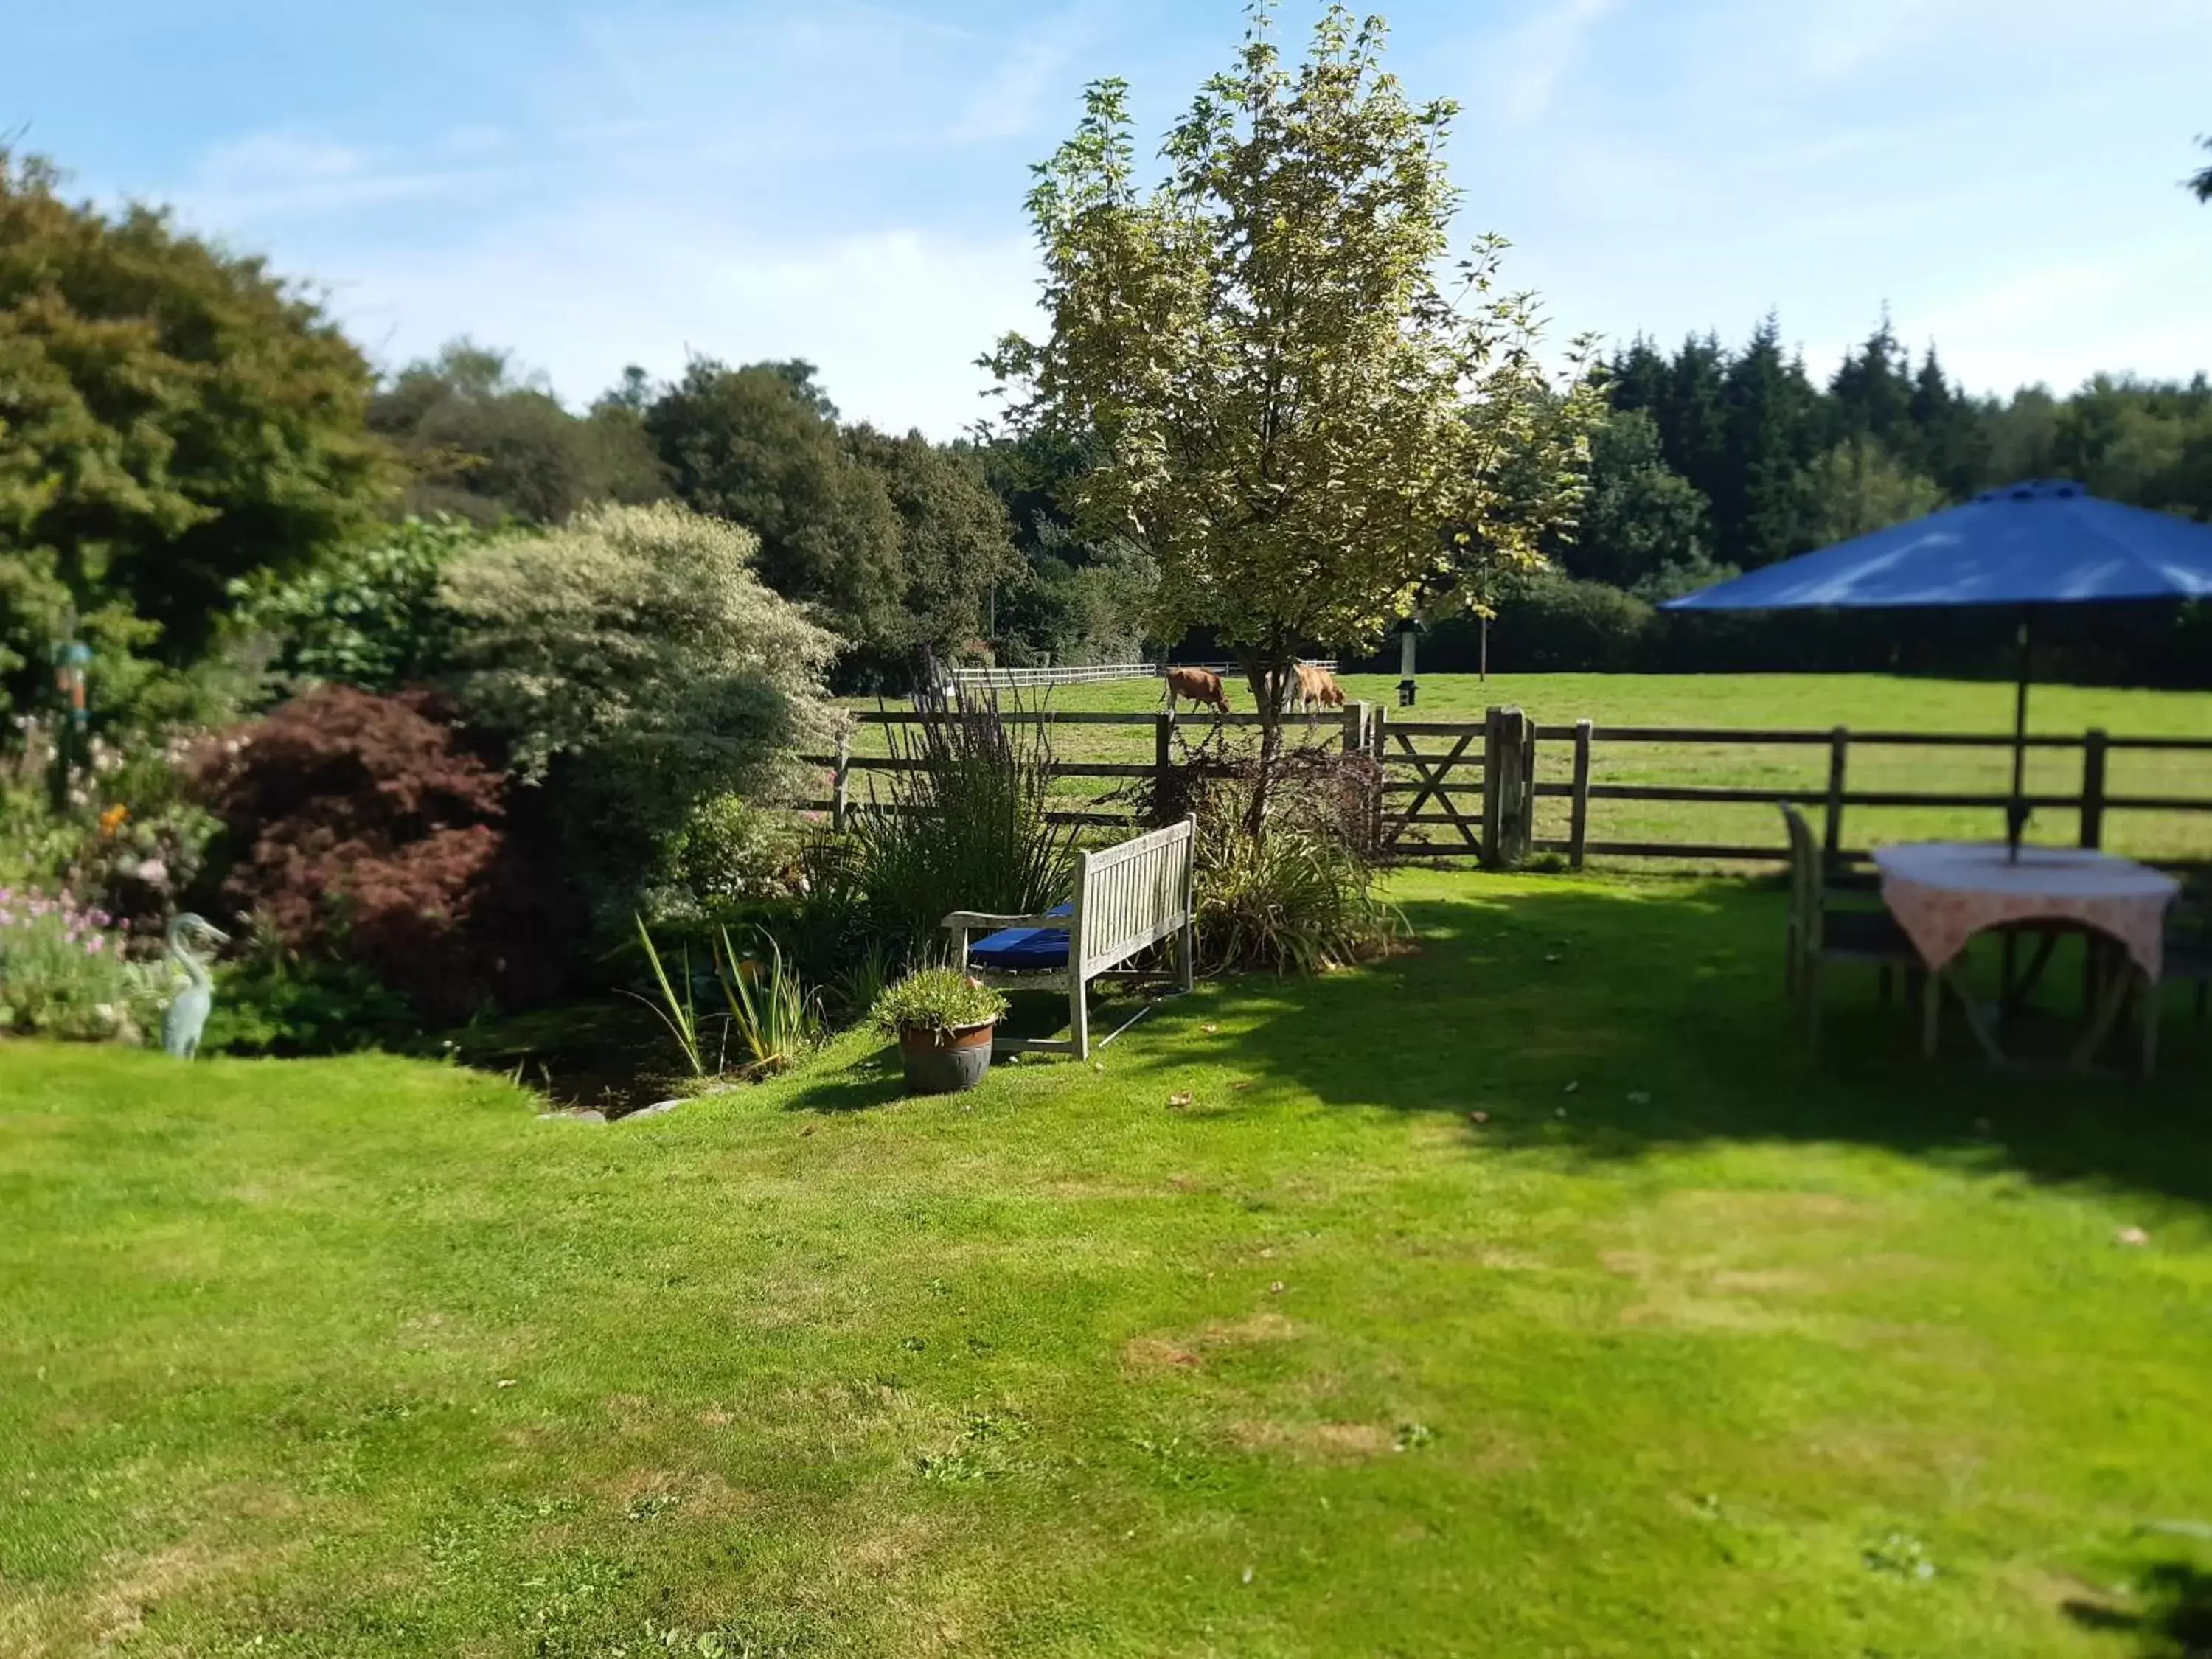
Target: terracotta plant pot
[{"x": 945, "y": 1062}]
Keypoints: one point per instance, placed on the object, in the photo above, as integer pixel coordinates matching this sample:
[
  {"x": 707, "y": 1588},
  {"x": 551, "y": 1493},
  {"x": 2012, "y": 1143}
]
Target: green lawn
[
  {"x": 1695, "y": 1346},
  {"x": 1814, "y": 702}
]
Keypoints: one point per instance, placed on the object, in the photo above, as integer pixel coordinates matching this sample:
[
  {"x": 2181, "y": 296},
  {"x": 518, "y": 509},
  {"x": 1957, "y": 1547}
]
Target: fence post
[
  {"x": 1377, "y": 720},
  {"x": 1162, "y": 764},
  {"x": 2092, "y": 789},
  {"x": 1524, "y": 819},
  {"x": 1839, "y": 750},
  {"x": 838, "y": 783},
  {"x": 1493, "y": 782},
  {"x": 1355, "y": 727},
  {"x": 1579, "y": 811}
]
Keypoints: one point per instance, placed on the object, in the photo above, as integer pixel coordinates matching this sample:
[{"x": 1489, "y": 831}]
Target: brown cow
[
  {"x": 1200, "y": 685},
  {"x": 1316, "y": 687}
]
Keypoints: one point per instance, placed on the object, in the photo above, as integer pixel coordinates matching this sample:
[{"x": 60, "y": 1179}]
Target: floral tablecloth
[{"x": 1944, "y": 892}]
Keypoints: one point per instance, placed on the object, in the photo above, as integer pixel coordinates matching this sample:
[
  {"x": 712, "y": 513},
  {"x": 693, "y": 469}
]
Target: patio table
[{"x": 1943, "y": 893}]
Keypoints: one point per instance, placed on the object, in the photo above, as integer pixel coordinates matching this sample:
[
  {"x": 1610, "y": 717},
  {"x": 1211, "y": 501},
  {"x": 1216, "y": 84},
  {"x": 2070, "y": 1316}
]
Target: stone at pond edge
[
  {"x": 659, "y": 1108},
  {"x": 575, "y": 1117}
]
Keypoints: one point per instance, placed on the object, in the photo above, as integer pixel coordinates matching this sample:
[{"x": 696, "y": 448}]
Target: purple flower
[{"x": 94, "y": 946}]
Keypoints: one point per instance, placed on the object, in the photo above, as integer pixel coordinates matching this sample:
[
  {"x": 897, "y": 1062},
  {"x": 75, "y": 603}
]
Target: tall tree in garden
[
  {"x": 1286, "y": 407},
  {"x": 956, "y": 543},
  {"x": 172, "y": 417},
  {"x": 2200, "y": 181},
  {"x": 760, "y": 446}
]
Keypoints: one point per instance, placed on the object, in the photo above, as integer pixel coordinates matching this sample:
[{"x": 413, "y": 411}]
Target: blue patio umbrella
[{"x": 2044, "y": 542}]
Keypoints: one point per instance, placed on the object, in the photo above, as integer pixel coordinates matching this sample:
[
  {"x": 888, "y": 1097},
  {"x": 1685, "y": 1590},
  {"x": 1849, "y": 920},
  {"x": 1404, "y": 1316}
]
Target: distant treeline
[{"x": 1714, "y": 461}]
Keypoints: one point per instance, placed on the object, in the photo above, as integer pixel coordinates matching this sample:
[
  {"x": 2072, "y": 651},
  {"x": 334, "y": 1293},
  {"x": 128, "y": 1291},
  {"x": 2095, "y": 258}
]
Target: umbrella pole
[{"x": 2016, "y": 811}]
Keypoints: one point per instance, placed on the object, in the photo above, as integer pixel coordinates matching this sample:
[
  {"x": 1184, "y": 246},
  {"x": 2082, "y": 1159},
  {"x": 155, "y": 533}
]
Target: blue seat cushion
[{"x": 1025, "y": 949}]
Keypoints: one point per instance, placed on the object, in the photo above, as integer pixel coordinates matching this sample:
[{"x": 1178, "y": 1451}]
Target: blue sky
[{"x": 594, "y": 183}]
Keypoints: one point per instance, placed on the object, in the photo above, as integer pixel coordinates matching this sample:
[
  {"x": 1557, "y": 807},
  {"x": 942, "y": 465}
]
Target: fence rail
[
  {"x": 1479, "y": 779},
  {"x": 1028, "y": 679}
]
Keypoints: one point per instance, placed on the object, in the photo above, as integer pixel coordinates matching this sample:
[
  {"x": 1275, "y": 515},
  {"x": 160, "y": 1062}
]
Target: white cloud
[
  {"x": 270, "y": 174},
  {"x": 1537, "y": 57},
  {"x": 1008, "y": 103},
  {"x": 894, "y": 316}
]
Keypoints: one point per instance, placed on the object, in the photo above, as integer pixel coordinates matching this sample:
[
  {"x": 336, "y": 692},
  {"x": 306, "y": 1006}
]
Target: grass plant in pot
[{"x": 943, "y": 1020}]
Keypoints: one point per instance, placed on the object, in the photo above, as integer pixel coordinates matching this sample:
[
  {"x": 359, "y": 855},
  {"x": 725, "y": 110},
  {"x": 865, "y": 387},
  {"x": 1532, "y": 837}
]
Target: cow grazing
[
  {"x": 1315, "y": 687},
  {"x": 1202, "y": 686}
]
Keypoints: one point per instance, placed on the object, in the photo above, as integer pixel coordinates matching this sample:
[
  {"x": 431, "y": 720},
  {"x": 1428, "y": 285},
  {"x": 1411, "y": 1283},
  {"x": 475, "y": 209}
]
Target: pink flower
[{"x": 95, "y": 945}]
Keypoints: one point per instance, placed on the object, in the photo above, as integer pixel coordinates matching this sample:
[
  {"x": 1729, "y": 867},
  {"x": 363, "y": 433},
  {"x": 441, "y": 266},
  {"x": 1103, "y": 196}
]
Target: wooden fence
[
  {"x": 1035, "y": 679},
  {"x": 1480, "y": 780}
]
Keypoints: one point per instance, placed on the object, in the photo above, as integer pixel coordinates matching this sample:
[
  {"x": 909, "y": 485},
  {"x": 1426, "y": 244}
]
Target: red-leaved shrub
[{"x": 366, "y": 830}]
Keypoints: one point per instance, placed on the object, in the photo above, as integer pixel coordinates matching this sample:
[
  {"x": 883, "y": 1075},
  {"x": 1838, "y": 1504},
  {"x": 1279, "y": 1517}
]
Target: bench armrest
[{"x": 984, "y": 919}]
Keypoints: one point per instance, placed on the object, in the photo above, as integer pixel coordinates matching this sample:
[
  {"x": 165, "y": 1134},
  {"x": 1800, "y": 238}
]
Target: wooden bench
[{"x": 1127, "y": 899}]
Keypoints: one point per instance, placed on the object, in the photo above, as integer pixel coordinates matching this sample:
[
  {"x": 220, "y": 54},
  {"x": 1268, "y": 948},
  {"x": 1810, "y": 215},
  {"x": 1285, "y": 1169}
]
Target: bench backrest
[{"x": 1133, "y": 895}]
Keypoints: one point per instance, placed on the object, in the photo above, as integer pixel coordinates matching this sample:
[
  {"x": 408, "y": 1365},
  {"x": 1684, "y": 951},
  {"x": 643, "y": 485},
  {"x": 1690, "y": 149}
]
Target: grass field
[
  {"x": 1694, "y": 1345},
  {"x": 1800, "y": 702}
]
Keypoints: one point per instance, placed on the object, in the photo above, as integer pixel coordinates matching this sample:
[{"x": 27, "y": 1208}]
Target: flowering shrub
[
  {"x": 63, "y": 973},
  {"x": 128, "y": 841}
]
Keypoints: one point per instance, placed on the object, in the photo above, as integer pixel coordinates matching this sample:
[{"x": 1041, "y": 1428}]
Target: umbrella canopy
[{"x": 2044, "y": 542}]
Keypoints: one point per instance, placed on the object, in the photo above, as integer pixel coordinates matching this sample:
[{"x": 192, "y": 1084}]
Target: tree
[
  {"x": 1640, "y": 516},
  {"x": 489, "y": 444},
  {"x": 955, "y": 542},
  {"x": 1769, "y": 432},
  {"x": 760, "y": 446},
  {"x": 1858, "y": 486},
  {"x": 2200, "y": 181},
  {"x": 1948, "y": 439},
  {"x": 2145, "y": 443},
  {"x": 1693, "y": 414},
  {"x": 1871, "y": 394},
  {"x": 172, "y": 417},
  {"x": 1286, "y": 409},
  {"x": 372, "y": 620},
  {"x": 634, "y": 660}
]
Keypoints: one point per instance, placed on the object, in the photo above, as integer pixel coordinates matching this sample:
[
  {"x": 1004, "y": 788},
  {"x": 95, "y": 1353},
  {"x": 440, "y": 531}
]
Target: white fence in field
[{"x": 1025, "y": 679}]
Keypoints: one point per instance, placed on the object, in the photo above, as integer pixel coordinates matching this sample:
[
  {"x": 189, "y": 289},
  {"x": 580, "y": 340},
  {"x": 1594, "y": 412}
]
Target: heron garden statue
[{"x": 187, "y": 1014}]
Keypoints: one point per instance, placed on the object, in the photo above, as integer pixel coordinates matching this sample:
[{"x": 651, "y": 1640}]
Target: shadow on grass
[
  {"x": 875, "y": 1080},
  {"x": 1615, "y": 1022},
  {"x": 2175, "y": 1621}
]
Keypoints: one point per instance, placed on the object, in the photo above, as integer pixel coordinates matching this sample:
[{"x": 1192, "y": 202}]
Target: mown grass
[
  {"x": 1800, "y": 702},
  {"x": 1695, "y": 1344}
]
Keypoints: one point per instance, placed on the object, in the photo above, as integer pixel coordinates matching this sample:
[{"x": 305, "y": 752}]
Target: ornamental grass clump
[
  {"x": 937, "y": 999},
  {"x": 962, "y": 825}
]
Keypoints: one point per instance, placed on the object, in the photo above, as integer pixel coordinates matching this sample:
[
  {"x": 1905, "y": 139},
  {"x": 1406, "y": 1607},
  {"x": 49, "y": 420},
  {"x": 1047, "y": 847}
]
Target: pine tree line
[{"x": 1716, "y": 459}]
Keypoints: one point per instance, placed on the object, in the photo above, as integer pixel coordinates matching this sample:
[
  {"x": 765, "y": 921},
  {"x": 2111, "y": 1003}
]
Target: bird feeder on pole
[
  {"x": 1408, "y": 685},
  {"x": 72, "y": 660}
]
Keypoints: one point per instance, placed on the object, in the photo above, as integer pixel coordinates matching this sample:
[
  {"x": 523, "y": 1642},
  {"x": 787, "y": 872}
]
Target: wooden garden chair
[
  {"x": 1127, "y": 899},
  {"x": 2189, "y": 949},
  {"x": 1824, "y": 931}
]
